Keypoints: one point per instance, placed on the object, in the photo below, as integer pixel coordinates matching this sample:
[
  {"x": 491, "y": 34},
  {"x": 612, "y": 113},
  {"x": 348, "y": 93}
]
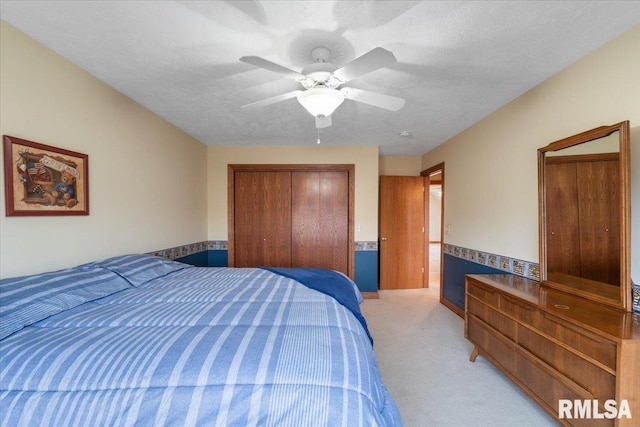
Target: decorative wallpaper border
[
  {"x": 365, "y": 246},
  {"x": 515, "y": 266},
  {"x": 518, "y": 267},
  {"x": 190, "y": 249},
  {"x": 223, "y": 245}
]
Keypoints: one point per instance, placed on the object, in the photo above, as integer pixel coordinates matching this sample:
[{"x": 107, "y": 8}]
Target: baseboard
[
  {"x": 370, "y": 295},
  {"x": 451, "y": 306}
]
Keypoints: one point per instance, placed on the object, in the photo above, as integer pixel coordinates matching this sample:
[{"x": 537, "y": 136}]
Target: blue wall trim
[
  {"x": 210, "y": 258},
  {"x": 218, "y": 258},
  {"x": 198, "y": 259},
  {"x": 366, "y": 265},
  {"x": 453, "y": 271},
  {"x": 528, "y": 269},
  {"x": 366, "y": 270}
]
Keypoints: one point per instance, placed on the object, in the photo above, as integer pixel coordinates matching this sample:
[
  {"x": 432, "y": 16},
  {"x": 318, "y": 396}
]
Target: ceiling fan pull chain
[{"x": 318, "y": 129}]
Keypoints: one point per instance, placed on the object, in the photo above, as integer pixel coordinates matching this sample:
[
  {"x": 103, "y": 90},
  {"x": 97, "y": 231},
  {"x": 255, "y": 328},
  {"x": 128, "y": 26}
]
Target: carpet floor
[{"x": 424, "y": 362}]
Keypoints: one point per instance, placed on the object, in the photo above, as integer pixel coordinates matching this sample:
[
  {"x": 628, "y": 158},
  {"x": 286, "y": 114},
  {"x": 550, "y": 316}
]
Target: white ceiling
[{"x": 458, "y": 61}]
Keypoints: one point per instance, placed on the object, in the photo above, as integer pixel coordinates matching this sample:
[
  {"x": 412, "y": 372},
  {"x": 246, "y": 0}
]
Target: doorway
[{"x": 434, "y": 215}]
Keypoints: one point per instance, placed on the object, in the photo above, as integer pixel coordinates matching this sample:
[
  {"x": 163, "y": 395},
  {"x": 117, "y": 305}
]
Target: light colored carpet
[{"x": 424, "y": 362}]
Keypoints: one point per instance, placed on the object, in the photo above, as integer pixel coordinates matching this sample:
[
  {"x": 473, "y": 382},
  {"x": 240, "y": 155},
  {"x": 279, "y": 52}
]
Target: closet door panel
[
  {"x": 319, "y": 223},
  {"x": 599, "y": 198},
  {"x": 262, "y": 219},
  {"x": 248, "y": 235},
  {"x": 334, "y": 219},
  {"x": 275, "y": 219},
  {"x": 305, "y": 224},
  {"x": 563, "y": 229}
]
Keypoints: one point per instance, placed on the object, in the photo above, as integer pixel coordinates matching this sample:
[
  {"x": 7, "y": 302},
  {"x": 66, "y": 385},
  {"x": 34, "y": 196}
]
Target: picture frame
[{"x": 42, "y": 180}]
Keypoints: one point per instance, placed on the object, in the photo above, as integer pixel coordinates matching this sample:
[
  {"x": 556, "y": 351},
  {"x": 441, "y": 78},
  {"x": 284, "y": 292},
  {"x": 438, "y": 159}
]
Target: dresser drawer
[
  {"x": 549, "y": 387},
  {"x": 591, "y": 345},
  {"x": 491, "y": 343},
  {"x": 483, "y": 294},
  {"x": 520, "y": 310},
  {"x": 600, "y": 383},
  {"x": 492, "y": 317}
]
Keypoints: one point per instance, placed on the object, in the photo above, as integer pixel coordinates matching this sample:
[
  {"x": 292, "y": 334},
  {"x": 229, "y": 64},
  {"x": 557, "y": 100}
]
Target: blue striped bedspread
[{"x": 199, "y": 347}]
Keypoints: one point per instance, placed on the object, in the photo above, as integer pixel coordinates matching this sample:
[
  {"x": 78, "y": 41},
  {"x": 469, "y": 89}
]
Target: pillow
[
  {"x": 138, "y": 269},
  {"x": 28, "y": 299}
]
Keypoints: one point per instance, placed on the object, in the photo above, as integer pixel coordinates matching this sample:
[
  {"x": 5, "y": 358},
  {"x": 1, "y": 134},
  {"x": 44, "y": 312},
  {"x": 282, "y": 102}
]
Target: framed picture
[{"x": 41, "y": 180}]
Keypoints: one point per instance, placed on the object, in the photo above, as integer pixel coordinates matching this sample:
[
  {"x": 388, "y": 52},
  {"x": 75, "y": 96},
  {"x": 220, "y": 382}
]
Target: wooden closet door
[
  {"x": 562, "y": 222},
  {"x": 262, "y": 219},
  {"x": 599, "y": 198},
  {"x": 320, "y": 219}
]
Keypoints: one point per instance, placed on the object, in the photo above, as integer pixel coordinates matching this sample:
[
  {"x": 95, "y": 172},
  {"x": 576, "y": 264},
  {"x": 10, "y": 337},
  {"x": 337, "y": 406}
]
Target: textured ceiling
[{"x": 457, "y": 61}]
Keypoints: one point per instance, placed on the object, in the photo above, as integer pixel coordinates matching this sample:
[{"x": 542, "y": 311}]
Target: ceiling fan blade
[
  {"x": 376, "y": 99},
  {"x": 272, "y": 100},
  {"x": 272, "y": 66},
  {"x": 323, "y": 122},
  {"x": 370, "y": 61}
]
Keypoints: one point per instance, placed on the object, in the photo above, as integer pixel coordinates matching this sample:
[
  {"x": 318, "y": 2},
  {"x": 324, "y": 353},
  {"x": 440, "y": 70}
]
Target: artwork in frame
[{"x": 41, "y": 180}]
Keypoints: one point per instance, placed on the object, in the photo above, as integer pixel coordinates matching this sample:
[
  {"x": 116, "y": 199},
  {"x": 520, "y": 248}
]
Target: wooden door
[
  {"x": 262, "y": 219},
  {"x": 562, "y": 223},
  {"x": 583, "y": 228},
  {"x": 320, "y": 219},
  {"x": 599, "y": 199},
  {"x": 402, "y": 242}
]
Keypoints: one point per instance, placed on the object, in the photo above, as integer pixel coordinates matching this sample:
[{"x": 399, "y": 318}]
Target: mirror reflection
[
  {"x": 583, "y": 219},
  {"x": 583, "y": 229}
]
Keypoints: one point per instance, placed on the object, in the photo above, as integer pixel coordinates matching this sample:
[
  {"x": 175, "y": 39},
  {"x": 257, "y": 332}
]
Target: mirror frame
[{"x": 625, "y": 300}]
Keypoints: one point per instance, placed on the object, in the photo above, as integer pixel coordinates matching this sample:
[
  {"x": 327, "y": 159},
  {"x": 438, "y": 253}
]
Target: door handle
[{"x": 383, "y": 238}]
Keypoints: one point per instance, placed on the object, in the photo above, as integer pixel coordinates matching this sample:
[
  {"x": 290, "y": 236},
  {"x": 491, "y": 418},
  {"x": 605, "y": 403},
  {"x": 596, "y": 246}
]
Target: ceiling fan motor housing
[{"x": 320, "y": 74}]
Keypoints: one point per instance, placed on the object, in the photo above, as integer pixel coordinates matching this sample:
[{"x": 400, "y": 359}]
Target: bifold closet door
[
  {"x": 262, "y": 219},
  {"x": 562, "y": 222},
  {"x": 599, "y": 201},
  {"x": 583, "y": 228},
  {"x": 320, "y": 219}
]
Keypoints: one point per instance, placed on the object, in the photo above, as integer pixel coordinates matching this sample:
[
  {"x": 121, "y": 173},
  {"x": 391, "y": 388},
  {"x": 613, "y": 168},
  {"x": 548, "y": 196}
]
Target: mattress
[{"x": 150, "y": 342}]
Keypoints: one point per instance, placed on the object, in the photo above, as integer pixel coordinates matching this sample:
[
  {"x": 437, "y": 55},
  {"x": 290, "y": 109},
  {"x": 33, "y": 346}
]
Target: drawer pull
[{"x": 562, "y": 306}]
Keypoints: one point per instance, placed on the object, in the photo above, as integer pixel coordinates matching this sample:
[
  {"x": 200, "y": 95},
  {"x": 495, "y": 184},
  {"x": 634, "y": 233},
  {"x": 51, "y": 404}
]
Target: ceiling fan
[{"x": 322, "y": 83}]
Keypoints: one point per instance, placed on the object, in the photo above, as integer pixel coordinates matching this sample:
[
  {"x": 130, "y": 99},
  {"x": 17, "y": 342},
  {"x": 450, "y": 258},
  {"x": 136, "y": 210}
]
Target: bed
[{"x": 141, "y": 340}]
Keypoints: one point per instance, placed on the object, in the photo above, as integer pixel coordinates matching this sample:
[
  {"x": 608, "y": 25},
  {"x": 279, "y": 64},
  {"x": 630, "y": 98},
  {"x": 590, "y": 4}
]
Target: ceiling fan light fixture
[{"x": 320, "y": 101}]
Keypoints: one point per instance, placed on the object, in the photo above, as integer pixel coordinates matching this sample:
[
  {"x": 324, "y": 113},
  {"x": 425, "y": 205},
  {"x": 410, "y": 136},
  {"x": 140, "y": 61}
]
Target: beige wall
[
  {"x": 400, "y": 165},
  {"x": 365, "y": 159},
  {"x": 147, "y": 179},
  {"x": 491, "y": 168}
]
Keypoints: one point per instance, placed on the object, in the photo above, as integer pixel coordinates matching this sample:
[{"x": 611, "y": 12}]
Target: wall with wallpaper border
[
  {"x": 519, "y": 267},
  {"x": 491, "y": 177},
  {"x": 214, "y": 253}
]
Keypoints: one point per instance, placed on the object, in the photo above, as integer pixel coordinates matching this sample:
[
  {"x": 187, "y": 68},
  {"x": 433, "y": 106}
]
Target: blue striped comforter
[{"x": 199, "y": 346}]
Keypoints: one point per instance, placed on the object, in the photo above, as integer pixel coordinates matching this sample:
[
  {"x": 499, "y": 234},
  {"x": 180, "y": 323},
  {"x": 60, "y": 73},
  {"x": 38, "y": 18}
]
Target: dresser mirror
[{"x": 584, "y": 215}]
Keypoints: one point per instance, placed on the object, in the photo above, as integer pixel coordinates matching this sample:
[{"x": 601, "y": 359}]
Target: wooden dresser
[{"x": 556, "y": 346}]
